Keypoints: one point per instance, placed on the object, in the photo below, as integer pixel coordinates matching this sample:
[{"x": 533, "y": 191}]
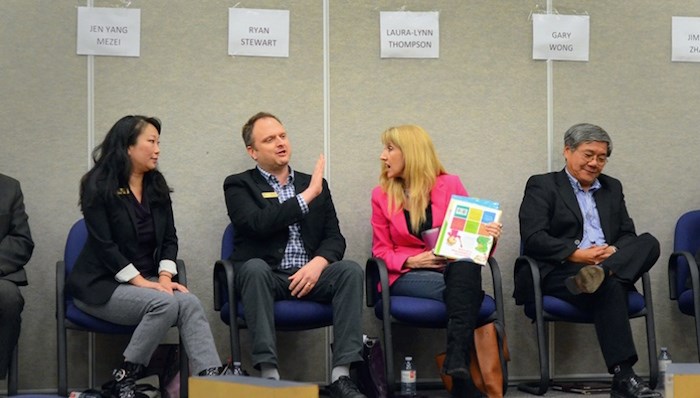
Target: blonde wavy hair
[{"x": 411, "y": 191}]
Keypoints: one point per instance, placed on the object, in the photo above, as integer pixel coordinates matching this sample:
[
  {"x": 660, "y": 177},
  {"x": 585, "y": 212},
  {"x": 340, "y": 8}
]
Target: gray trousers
[
  {"x": 340, "y": 284},
  {"x": 154, "y": 313},
  {"x": 11, "y": 305}
]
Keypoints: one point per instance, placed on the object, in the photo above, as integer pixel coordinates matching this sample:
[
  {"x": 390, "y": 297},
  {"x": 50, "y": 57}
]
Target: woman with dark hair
[
  {"x": 412, "y": 197},
  {"x": 125, "y": 272}
]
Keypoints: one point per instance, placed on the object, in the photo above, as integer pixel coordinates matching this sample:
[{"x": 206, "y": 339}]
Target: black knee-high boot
[{"x": 463, "y": 297}]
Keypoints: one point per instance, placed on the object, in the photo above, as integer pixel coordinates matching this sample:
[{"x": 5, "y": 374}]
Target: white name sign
[
  {"x": 109, "y": 31},
  {"x": 560, "y": 37},
  {"x": 685, "y": 38},
  {"x": 409, "y": 34},
  {"x": 258, "y": 33}
]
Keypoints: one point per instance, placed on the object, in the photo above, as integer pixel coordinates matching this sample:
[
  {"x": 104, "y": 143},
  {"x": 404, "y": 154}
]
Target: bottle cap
[
  {"x": 664, "y": 348},
  {"x": 409, "y": 358}
]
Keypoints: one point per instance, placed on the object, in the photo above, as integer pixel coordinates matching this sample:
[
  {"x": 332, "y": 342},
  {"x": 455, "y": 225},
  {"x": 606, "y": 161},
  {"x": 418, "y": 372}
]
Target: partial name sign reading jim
[
  {"x": 109, "y": 31},
  {"x": 685, "y": 39},
  {"x": 406, "y": 34},
  {"x": 258, "y": 33},
  {"x": 560, "y": 37}
]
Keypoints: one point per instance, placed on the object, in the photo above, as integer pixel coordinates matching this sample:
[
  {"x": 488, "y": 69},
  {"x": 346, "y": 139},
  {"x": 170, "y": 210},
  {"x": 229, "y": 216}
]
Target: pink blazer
[{"x": 391, "y": 239}]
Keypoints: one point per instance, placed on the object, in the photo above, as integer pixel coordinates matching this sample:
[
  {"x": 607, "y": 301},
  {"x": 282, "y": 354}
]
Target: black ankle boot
[{"x": 125, "y": 380}]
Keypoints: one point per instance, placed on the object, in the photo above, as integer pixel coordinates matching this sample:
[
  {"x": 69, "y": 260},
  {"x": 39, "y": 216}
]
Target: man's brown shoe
[{"x": 587, "y": 280}]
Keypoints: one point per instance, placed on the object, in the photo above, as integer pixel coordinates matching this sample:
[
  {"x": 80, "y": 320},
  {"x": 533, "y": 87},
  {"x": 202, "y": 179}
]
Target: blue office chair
[
  {"x": 546, "y": 309},
  {"x": 420, "y": 312},
  {"x": 290, "y": 315},
  {"x": 682, "y": 268},
  {"x": 70, "y": 317}
]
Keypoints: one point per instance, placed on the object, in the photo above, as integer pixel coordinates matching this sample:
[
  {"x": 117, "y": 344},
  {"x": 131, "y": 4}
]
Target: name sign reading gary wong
[
  {"x": 409, "y": 34},
  {"x": 258, "y": 33},
  {"x": 560, "y": 37},
  {"x": 109, "y": 31},
  {"x": 685, "y": 39}
]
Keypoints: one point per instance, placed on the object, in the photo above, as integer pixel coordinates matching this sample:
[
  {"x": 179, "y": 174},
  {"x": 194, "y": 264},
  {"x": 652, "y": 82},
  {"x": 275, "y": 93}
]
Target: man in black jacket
[
  {"x": 575, "y": 224},
  {"x": 288, "y": 245},
  {"x": 16, "y": 247}
]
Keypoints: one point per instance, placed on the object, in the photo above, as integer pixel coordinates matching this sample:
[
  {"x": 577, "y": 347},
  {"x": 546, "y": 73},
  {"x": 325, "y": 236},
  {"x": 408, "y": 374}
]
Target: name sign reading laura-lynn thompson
[
  {"x": 685, "y": 39},
  {"x": 109, "y": 31},
  {"x": 258, "y": 33},
  {"x": 560, "y": 37},
  {"x": 406, "y": 34}
]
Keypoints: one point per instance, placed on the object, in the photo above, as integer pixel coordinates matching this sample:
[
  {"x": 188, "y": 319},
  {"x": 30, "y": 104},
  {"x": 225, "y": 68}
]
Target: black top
[
  {"x": 427, "y": 224},
  {"x": 145, "y": 230}
]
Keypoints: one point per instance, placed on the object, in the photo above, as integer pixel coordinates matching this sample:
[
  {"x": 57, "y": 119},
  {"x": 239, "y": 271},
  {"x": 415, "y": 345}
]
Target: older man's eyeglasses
[{"x": 589, "y": 156}]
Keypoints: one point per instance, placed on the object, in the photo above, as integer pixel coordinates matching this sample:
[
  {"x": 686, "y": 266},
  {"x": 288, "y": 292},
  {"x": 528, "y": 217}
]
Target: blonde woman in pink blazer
[{"x": 412, "y": 197}]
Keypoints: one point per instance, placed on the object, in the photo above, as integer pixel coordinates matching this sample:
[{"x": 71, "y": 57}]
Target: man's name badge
[{"x": 269, "y": 195}]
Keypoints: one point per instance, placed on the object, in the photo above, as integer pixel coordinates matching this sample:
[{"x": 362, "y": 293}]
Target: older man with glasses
[{"x": 575, "y": 224}]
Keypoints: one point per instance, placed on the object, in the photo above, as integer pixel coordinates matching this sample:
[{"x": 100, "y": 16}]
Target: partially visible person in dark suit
[
  {"x": 575, "y": 224},
  {"x": 288, "y": 245},
  {"x": 16, "y": 247},
  {"x": 126, "y": 272}
]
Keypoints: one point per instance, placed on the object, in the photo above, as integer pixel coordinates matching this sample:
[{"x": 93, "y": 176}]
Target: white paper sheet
[
  {"x": 560, "y": 37},
  {"x": 258, "y": 33},
  {"x": 410, "y": 34},
  {"x": 685, "y": 39},
  {"x": 109, "y": 31}
]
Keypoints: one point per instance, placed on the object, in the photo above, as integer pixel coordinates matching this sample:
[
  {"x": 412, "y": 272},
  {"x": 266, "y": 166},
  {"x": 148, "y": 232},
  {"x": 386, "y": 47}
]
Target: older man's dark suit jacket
[
  {"x": 112, "y": 243},
  {"x": 261, "y": 222},
  {"x": 551, "y": 223},
  {"x": 16, "y": 245}
]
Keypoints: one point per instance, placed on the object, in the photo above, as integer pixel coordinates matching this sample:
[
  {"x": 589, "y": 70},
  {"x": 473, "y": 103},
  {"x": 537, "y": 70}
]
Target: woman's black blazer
[{"x": 112, "y": 243}]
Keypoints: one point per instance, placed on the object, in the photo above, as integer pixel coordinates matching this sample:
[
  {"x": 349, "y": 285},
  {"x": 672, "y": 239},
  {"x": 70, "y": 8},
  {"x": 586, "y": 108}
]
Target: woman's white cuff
[
  {"x": 126, "y": 274},
  {"x": 167, "y": 265}
]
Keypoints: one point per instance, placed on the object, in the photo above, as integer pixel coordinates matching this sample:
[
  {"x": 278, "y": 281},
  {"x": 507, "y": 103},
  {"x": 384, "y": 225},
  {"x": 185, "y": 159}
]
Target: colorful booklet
[{"x": 462, "y": 234}]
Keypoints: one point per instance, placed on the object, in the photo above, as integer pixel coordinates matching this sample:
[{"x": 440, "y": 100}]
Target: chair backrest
[
  {"x": 227, "y": 242},
  {"x": 77, "y": 236},
  {"x": 686, "y": 239}
]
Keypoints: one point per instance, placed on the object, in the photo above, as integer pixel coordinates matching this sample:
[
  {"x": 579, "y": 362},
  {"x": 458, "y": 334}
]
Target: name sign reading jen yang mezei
[
  {"x": 560, "y": 37},
  {"x": 409, "y": 34},
  {"x": 258, "y": 33},
  {"x": 109, "y": 31}
]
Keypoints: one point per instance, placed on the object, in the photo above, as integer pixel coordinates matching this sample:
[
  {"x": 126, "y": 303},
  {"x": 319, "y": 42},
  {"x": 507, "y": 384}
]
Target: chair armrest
[
  {"x": 224, "y": 277},
  {"x": 181, "y": 272},
  {"x": 646, "y": 290},
  {"x": 497, "y": 288},
  {"x": 531, "y": 265},
  {"x": 673, "y": 272},
  {"x": 60, "y": 289},
  {"x": 371, "y": 281},
  {"x": 377, "y": 265},
  {"x": 646, "y": 284}
]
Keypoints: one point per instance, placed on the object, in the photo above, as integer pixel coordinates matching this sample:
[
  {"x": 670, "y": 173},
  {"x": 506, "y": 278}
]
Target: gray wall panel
[{"x": 483, "y": 101}]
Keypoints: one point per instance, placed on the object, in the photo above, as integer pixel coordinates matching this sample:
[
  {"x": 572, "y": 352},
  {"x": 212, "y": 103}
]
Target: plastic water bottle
[
  {"x": 238, "y": 370},
  {"x": 664, "y": 361},
  {"x": 408, "y": 378}
]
